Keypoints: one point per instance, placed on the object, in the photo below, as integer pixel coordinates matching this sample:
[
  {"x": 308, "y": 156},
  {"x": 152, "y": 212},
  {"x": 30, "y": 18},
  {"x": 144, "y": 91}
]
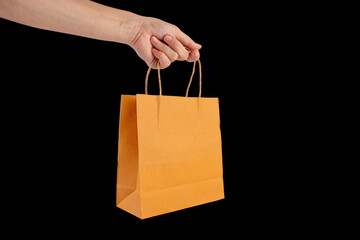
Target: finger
[
  {"x": 193, "y": 56},
  {"x": 187, "y": 41},
  {"x": 162, "y": 58},
  {"x": 170, "y": 53},
  {"x": 176, "y": 45}
]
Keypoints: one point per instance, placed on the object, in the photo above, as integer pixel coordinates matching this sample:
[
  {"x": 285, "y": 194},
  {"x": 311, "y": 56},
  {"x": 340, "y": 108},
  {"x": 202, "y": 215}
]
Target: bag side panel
[{"x": 127, "y": 171}]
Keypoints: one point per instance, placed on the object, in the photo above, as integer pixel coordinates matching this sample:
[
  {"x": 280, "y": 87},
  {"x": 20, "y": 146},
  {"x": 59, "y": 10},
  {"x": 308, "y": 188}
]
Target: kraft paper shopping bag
[{"x": 169, "y": 155}]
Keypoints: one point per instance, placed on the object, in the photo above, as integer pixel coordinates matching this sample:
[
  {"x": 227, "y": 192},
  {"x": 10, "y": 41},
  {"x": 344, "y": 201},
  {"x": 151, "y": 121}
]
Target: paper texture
[{"x": 169, "y": 155}]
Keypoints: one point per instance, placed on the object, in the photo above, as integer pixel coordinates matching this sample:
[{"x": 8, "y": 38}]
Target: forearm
[{"x": 77, "y": 17}]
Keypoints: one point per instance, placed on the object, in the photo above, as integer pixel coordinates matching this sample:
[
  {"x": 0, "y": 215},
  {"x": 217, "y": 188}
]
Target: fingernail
[
  {"x": 154, "y": 39},
  {"x": 168, "y": 38}
]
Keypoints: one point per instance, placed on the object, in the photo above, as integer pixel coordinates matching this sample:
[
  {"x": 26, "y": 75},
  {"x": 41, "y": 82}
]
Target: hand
[
  {"x": 149, "y": 37},
  {"x": 155, "y": 38}
]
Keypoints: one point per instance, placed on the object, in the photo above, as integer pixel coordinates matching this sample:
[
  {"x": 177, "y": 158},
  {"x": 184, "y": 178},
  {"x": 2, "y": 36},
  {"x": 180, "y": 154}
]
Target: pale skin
[{"x": 149, "y": 37}]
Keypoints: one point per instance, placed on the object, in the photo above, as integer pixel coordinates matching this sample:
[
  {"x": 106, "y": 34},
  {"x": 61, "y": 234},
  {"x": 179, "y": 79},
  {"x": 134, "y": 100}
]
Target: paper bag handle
[
  {"x": 147, "y": 76},
  {"x": 191, "y": 78},
  {"x": 160, "y": 89}
]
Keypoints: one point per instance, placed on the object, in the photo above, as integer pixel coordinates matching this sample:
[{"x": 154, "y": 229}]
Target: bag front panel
[{"x": 179, "y": 141}]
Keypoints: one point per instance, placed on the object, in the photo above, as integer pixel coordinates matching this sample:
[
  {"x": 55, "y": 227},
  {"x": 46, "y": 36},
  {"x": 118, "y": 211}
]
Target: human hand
[
  {"x": 153, "y": 37},
  {"x": 149, "y": 37}
]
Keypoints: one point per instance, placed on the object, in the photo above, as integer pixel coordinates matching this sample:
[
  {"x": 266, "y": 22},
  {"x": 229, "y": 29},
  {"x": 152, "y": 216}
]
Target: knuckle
[
  {"x": 158, "y": 44},
  {"x": 183, "y": 56},
  {"x": 162, "y": 55},
  {"x": 174, "y": 28},
  {"x": 165, "y": 64},
  {"x": 161, "y": 46},
  {"x": 174, "y": 56}
]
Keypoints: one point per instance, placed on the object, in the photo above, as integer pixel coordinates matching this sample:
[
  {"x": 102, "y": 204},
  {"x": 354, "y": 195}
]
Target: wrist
[{"x": 129, "y": 27}]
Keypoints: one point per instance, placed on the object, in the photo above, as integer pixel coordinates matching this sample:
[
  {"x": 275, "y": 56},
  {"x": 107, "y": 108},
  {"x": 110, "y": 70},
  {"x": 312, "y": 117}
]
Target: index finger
[{"x": 187, "y": 41}]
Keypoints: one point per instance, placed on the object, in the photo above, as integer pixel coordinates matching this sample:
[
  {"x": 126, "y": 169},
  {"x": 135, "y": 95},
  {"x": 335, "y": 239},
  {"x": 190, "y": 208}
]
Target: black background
[{"x": 62, "y": 101}]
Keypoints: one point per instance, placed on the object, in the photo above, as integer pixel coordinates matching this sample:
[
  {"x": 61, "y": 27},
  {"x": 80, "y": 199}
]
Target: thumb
[{"x": 187, "y": 41}]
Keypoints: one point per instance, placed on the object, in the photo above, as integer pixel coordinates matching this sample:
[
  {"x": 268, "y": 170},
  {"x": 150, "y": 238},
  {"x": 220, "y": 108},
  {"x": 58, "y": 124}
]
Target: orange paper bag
[{"x": 169, "y": 155}]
